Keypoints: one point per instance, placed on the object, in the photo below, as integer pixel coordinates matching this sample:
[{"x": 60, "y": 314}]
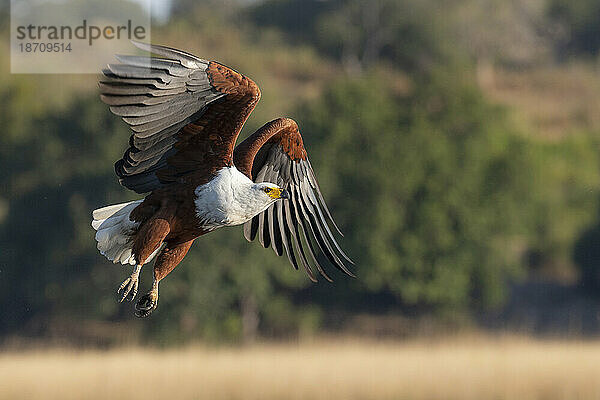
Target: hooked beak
[{"x": 284, "y": 194}]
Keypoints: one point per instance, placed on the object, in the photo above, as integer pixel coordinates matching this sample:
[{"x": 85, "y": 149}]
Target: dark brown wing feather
[
  {"x": 298, "y": 226},
  {"x": 185, "y": 114}
]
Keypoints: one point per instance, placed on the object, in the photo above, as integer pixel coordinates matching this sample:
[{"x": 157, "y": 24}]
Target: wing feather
[
  {"x": 306, "y": 193},
  {"x": 315, "y": 227},
  {"x": 184, "y": 113},
  {"x": 298, "y": 226},
  {"x": 292, "y": 224},
  {"x": 305, "y": 226},
  {"x": 276, "y": 241},
  {"x": 250, "y": 229},
  {"x": 286, "y": 233}
]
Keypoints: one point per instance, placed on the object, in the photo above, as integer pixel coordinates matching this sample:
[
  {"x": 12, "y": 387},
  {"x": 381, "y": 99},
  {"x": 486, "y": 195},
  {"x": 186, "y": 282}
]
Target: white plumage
[
  {"x": 115, "y": 230},
  {"x": 230, "y": 198}
]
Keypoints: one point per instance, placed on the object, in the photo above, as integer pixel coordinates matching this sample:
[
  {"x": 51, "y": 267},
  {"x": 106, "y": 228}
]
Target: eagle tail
[{"x": 115, "y": 231}]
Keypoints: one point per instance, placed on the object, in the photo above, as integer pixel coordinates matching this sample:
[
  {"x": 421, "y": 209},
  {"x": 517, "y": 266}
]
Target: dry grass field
[{"x": 465, "y": 369}]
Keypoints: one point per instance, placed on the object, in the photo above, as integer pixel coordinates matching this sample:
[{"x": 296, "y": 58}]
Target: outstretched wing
[
  {"x": 299, "y": 226},
  {"x": 185, "y": 114}
]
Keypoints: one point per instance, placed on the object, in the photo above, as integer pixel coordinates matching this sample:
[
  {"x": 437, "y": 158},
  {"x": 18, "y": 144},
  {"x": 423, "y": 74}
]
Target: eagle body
[{"x": 185, "y": 114}]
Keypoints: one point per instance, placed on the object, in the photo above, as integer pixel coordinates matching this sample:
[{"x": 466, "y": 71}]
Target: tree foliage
[
  {"x": 432, "y": 203},
  {"x": 361, "y": 34}
]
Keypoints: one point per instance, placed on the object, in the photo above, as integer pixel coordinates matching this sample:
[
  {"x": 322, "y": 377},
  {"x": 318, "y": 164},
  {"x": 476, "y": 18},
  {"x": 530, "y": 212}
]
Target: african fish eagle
[{"x": 186, "y": 114}]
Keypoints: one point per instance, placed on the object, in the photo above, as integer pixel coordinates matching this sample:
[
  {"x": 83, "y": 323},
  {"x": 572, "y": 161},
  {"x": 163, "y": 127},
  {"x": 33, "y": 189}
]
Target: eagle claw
[
  {"x": 146, "y": 304},
  {"x": 130, "y": 286}
]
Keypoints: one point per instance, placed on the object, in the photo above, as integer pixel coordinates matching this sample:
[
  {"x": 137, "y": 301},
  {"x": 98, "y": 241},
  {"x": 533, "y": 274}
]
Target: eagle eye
[{"x": 267, "y": 190}]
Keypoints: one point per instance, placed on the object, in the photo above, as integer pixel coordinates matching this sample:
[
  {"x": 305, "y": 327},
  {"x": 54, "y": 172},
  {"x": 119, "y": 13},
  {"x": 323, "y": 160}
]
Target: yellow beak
[{"x": 279, "y": 194}]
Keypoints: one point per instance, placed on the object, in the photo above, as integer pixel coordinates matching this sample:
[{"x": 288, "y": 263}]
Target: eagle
[{"x": 185, "y": 114}]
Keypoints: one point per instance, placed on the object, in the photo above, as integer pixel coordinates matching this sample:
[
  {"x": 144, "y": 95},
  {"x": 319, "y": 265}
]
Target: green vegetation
[{"x": 444, "y": 196}]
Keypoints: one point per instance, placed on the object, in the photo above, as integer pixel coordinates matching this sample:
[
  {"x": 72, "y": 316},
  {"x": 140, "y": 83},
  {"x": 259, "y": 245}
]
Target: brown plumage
[{"x": 186, "y": 114}]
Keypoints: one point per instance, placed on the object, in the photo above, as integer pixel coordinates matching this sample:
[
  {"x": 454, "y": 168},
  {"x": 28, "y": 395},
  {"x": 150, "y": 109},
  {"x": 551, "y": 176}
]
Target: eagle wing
[
  {"x": 299, "y": 226},
  {"x": 185, "y": 114}
]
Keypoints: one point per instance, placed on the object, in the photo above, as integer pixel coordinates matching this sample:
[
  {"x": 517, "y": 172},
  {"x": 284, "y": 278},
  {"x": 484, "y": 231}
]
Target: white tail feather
[
  {"x": 107, "y": 211},
  {"x": 115, "y": 232}
]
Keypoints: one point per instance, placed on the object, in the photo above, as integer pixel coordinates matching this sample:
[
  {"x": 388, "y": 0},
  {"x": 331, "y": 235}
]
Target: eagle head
[{"x": 271, "y": 191}]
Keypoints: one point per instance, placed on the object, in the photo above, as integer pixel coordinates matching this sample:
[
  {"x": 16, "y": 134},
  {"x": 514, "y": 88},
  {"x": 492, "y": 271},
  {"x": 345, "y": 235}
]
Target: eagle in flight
[{"x": 186, "y": 114}]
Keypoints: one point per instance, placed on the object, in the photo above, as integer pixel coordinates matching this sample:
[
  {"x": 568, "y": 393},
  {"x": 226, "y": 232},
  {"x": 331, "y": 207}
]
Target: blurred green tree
[
  {"x": 360, "y": 34},
  {"x": 432, "y": 187}
]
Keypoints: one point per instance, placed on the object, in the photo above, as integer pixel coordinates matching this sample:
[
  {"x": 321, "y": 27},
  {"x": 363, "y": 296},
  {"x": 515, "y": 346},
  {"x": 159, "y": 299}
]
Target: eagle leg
[
  {"x": 148, "y": 302},
  {"x": 167, "y": 260},
  {"x": 130, "y": 285}
]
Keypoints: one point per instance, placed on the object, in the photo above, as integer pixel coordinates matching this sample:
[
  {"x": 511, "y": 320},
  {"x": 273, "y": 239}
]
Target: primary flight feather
[{"x": 186, "y": 114}]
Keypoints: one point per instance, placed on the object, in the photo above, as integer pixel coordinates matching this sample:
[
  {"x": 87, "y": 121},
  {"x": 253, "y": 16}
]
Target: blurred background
[{"x": 456, "y": 143}]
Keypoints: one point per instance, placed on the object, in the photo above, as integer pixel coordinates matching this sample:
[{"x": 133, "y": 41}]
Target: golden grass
[{"x": 462, "y": 369}]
